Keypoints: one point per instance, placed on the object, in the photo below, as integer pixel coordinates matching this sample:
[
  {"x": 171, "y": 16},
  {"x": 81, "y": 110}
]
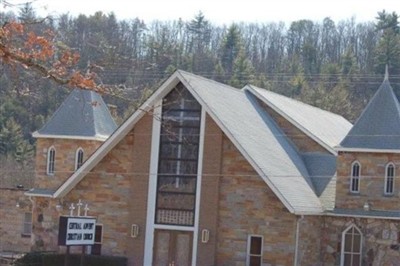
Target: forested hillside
[{"x": 336, "y": 65}]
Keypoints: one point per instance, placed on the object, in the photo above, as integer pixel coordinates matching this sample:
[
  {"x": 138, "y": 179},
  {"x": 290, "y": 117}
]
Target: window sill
[{"x": 388, "y": 195}]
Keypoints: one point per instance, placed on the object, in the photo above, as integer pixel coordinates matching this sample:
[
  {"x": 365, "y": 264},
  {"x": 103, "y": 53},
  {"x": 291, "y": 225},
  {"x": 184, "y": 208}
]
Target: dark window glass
[
  {"x": 178, "y": 158},
  {"x": 79, "y": 159},
  {"x": 51, "y": 161},
  {"x": 389, "y": 179},
  {"x": 355, "y": 178},
  {"x": 255, "y": 252}
]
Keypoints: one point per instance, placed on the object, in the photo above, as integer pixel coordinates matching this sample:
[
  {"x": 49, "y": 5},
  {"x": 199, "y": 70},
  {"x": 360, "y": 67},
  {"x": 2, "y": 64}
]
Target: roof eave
[
  {"x": 31, "y": 193},
  {"x": 366, "y": 150},
  {"x": 102, "y": 138},
  {"x": 310, "y": 213},
  {"x": 361, "y": 216}
]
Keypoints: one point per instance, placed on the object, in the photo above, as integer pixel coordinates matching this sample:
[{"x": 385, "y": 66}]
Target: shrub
[{"x": 51, "y": 259}]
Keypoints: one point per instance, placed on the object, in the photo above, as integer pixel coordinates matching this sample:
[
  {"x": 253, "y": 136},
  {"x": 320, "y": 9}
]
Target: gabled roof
[
  {"x": 378, "y": 127},
  {"x": 83, "y": 115},
  {"x": 326, "y": 128},
  {"x": 259, "y": 139},
  {"x": 246, "y": 124}
]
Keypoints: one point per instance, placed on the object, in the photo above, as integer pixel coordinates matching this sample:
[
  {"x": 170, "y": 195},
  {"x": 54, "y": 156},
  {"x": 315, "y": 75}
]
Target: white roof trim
[
  {"x": 366, "y": 150},
  {"x": 38, "y": 195},
  {"x": 47, "y": 136},
  {"x": 243, "y": 152},
  {"x": 361, "y": 216},
  {"x": 115, "y": 138},
  {"x": 292, "y": 121}
]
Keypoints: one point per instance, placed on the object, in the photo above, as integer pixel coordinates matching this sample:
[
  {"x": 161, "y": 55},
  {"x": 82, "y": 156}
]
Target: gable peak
[{"x": 386, "y": 73}]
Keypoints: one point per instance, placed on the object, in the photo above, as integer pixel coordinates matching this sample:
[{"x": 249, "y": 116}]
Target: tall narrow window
[
  {"x": 351, "y": 247},
  {"x": 51, "y": 157},
  {"x": 254, "y": 250},
  {"x": 178, "y": 158},
  {"x": 78, "y": 158},
  {"x": 389, "y": 179},
  {"x": 355, "y": 178},
  {"x": 27, "y": 226}
]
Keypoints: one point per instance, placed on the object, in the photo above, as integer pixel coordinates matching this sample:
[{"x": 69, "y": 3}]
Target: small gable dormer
[
  {"x": 374, "y": 143},
  {"x": 78, "y": 127}
]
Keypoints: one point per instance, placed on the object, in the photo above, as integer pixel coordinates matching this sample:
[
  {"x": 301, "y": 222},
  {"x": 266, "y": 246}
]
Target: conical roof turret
[
  {"x": 378, "y": 127},
  {"x": 83, "y": 115}
]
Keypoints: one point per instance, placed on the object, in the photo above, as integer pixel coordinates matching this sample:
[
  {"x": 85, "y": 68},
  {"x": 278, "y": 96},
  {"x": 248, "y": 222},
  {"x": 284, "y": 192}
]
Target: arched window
[
  {"x": 389, "y": 179},
  {"x": 351, "y": 247},
  {"x": 51, "y": 160},
  {"x": 78, "y": 158},
  {"x": 355, "y": 177}
]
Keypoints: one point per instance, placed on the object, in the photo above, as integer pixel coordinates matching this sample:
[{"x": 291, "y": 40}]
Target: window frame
[
  {"x": 355, "y": 178},
  {"x": 27, "y": 223},
  {"x": 343, "y": 244},
  {"x": 389, "y": 179},
  {"x": 248, "y": 252},
  {"x": 180, "y": 131},
  {"x": 51, "y": 161},
  {"x": 79, "y": 158}
]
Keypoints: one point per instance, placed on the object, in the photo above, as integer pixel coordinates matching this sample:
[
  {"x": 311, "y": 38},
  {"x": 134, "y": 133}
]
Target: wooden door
[{"x": 172, "y": 248}]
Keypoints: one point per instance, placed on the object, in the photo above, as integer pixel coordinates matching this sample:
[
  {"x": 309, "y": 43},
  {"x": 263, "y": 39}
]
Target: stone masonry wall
[
  {"x": 116, "y": 191},
  {"x": 310, "y": 232},
  {"x": 372, "y": 179},
  {"x": 247, "y": 206},
  {"x": 209, "y": 192},
  {"x": 380, "y": 245},
  {"x": 64, "y": 161},
  {"x": 12, "y": 237}
]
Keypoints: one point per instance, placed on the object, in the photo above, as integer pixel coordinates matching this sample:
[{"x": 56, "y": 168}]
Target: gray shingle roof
[
  {"x": 322, "y": 170},
  {"x": 324, "y": 127},
  {"x": 253, "y": 132},
  {"x": 378, "y": 127},
  {"x": 83, "y": 114},
  {"x": 259, "y": 139}
]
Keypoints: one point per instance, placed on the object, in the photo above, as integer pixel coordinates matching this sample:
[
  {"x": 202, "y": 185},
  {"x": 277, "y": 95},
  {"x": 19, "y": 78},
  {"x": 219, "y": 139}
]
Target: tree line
[{"x": 334, "y": 65}]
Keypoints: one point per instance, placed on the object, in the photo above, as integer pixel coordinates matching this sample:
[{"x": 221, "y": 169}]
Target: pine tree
[{"x": 388, "y": 49}]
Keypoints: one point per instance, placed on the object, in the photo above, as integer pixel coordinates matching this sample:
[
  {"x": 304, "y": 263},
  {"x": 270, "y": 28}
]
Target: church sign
[{"x": 76, "y": 231}]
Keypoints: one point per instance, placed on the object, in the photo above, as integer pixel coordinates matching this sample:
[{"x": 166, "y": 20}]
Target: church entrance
[{"x": 172, "y": 248}]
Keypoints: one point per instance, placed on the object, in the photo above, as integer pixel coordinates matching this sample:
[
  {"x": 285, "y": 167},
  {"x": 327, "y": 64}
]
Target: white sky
[{"x": 222, "y": 11}]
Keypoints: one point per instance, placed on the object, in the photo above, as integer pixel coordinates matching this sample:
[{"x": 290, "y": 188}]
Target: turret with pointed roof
[
  {"x": 83, "y": 115},
  {"x": 78, "y": 127},
  {"x": 378, "y": 127}
]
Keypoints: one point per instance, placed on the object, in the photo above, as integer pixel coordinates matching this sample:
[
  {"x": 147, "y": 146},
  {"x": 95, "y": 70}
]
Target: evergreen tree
[
  {"x": 243, "y": 71},
  {"x": 230, "y": 49},
  {"x": 12, "y": 142},
  {"x": 388, "y": 49}
]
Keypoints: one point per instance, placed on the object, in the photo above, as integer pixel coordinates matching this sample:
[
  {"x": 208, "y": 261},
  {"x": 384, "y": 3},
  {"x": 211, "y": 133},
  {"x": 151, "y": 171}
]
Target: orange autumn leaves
[{"x": 41, "y": 53}]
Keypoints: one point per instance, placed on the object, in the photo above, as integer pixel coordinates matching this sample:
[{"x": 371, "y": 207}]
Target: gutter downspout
[{"x": 296, "y": 250}]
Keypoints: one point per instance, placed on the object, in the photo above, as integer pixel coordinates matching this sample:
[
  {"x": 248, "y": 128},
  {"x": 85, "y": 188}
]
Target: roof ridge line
[{"x": 293, "y": 99}]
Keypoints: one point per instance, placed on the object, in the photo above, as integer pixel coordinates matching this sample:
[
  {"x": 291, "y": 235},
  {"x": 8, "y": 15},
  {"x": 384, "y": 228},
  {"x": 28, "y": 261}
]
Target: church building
[{"x": 206, "y": 174}]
